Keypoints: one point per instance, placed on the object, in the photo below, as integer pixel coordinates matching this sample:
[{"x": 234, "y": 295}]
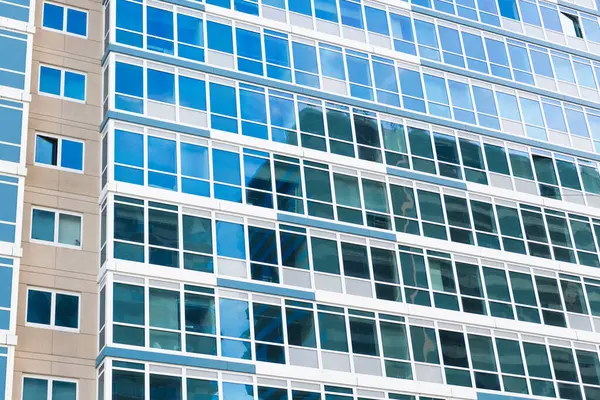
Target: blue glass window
[
  {"x": 277, "y": 55},
  {"x": 427, "y": 40},
  {"x": 541, "y": 62},
  {"x": 129, "y": 150},
  {"x": 496, "y": 51},
  {"x": 508, "y": 107},
  {"x": 54, "y": 309},
  {"x": 129, "y": 19},
  {"x": 194, "y": 164},
  {"x": 223, "y": 108},
  {"x": 64, "y": 19},
  {"x": 452, "y": 49},
  {"x": 351, "y": 13},
  {"x": 462, "y": 104},
  {"x": 359, "y": 74},
  {"x": 377, "y": 21},
  {"x": 190, "y": 35},
  {"x": 532, "y": 116},
  {"x": 162, "y": 157},
  {"x": 192, "y": 93},
  {"x": 220, "y": 37},
  {"x": 129, "y": 87},
  {"x": 412, "y": 90},
  {"x": 62, "y": 83},
  {"x": 508, "y": 9},
  {"x": 437, "y": 95},
  {"x": 305, "y": 64},
  {"x": 476, "y": 59},
  {"x": 562, "y": 67},
  {"x": 159, "y": 27},
  {"x": 227, "y": 176},
  {"x": 332, "y": 62},
  {"x": 520, "y": 63},
  {"x": 402, "y": 33},
  {"x": 161, "y": 86},
  {"x": 486, "y": 107},
  {"x": 249, "y": 51},
  {"x": 253, "y": 111}
]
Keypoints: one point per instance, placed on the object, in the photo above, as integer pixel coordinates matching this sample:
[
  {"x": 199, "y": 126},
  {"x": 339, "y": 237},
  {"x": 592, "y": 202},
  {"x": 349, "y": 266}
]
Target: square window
[
  {"x": 53, "y": 16},
  {"x": 38, "y": 388},
  {"x": 74, "y": 85},
  {"x": 52, "y": 309},
  {"x": 50, "y": 80},
  {"x": 76, "y": 22},
  {"x": 56, "y": 227},
  {"x": 58, "y": 152}
]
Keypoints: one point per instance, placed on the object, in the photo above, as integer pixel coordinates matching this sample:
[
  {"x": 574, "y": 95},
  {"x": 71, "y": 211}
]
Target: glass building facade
[
  {"x": 336, "y": 199},
  {"x": 300, "y": 199}
]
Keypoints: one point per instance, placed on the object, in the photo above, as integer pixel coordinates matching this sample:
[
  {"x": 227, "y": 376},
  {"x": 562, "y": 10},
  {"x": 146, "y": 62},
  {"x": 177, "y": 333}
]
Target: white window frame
[
  {"x": 61, "y": 95},
  {"x": 55, "y": 241},
  {"x": 568, "y": 24},
  {"x": 65, "y": 14},
  {"x": 52, "y": 324},
  {"x": 58, "y": 153}
]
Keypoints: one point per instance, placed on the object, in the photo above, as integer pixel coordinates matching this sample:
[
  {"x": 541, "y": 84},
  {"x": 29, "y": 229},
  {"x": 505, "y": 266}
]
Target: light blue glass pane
[
  {"x": 358, "y": 70},
  {"x": 253, "y": 106},
  {"x": 129, "y": 79},
  {"x": 585, "y": 75},
  {"x": 508, "y": 9},
  {"x": 305, "y": 57},
  {"x": 410, "y": 81},
  {"x": 508, "y": 106},
  {"x": 473, "y": 46},
  {"x": 6, "y": 279},
  {"x": 551, "y": 18},
  {"x": 38, "y": 307},
  {"x": 541, "y": 64},
  {"x": 129, "y": 15},
  {"x": 332, "y": 64},
  {"x": 563, "y": 69},
  {"x": 76, "y": 22},
  {"x": 231, "y": 240},
  {"x": 484, "y": 100},
  {"x": 161, "y": 86},
  {"x": 554, "y": 117},
  {"x": 194, "y": 160},
  {"x": 129, "y": 148},
  {"x": 530, "y": 13},
  {"x": 377, "y": 20},
  {"x": 235, "y": 318},
  {"x": 277, "y": 51},
  {"x": 12, "y": 123},
  {"x": 18, "y": 54},
  {"x": 236, "y": 349},
  {"x": 519, "y": 57},
  {"x": 436, "y": 89},
  {"x": 385, "y": 77},
  {"x": 66, "y": 311},
  {"x": 496, "y": 51},
  {"x": 162, "y": 154},
  {"x": 192, "y": 93},
  {"x": 159, "y": 22},
  {"x": 223, "y": 100},
  {"x": 426, "y": 34},
  {"x": 53, "y": 16},
  {"x": 190, "y": 30},
  {"x": 35, "y": 389},
  {"x": 226, "y": 167},
  {"x": 72, "y": 155},
  {"x": 402, "y": 27},
  {"x": 42, "y": 225},
  {"x": 248, "y": 44},
  {"x": 74, "y": 85},
  {"x": 128, "y": 304},
  {"x": 164, "y": 308},
  {"x": 450, "y": 40},
  {"x": 591, "y": 28},
  {"x": 8, "y": 194},
  {"x": 50, "y": 80},
  {"x": 576, "y": 122},
  {"x": 219, "y": 37},
  {"x": 531, "y": 112}
]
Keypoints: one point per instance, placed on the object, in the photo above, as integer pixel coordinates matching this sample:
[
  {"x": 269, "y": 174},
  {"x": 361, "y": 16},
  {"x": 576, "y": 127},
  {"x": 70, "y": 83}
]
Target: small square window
[
  {"x": 62, "y": 83},
  {"x": 58, "y": 152},
  {"x": 52, "y": 309},
  {"x": 64, "y": 19},
  {"x": 56, "y": 227}
]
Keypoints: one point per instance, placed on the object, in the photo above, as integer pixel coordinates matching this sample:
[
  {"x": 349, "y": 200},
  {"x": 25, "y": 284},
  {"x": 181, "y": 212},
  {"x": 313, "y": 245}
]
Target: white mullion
[{"x": 53, "y": 309}]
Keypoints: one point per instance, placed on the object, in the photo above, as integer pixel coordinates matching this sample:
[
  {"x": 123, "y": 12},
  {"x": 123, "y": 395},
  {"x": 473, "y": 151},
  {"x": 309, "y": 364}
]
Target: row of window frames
[
  {"x": 293, "y": 247},
  {"x": 159, "y": 25},
  {"x": 535, "y": 167},
  {"x": 222, "y": 111},
  {"x": 303, "y": 331},
  {"x": 127, "y": 379},
  {"x": 378, "y": 203},
  {"x": 352, "y": 15}
]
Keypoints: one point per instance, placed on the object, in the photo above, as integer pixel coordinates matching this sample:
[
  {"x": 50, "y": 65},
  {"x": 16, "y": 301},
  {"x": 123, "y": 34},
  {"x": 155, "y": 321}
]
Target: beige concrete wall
[{"x": 45, "y": 351}]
